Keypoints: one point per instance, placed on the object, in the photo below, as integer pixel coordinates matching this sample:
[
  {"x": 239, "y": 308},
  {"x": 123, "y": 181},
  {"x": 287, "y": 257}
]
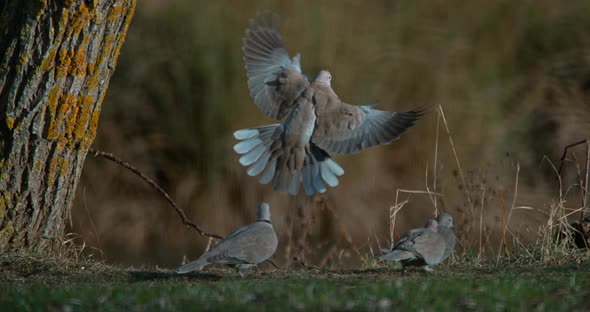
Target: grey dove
[
  {"x": 245, "y": 247},
  {"x": 315, "y": 119},
  {"x": 422, "y": 246},
  {"x": 445, "y": 229}
]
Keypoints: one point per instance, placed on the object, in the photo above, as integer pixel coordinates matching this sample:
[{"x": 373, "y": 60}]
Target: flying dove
[
  {"x": 246, "y": 247},
  {"x": 317, "y": 121},
  {"x": 445, "y": 229},
  {"x": 422, "y": 246}
]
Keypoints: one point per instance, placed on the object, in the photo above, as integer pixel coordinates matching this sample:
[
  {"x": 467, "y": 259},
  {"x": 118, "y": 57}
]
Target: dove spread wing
[
  {"x": 275, "y": 81},
  {"x": 345, "y": 129}
]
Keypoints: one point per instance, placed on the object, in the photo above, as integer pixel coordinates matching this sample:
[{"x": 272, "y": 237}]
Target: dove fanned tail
[
  {"x": 397, "y": 255},
  {"x": 196, "y": 265},
  {"x": 263, "y": 151}
]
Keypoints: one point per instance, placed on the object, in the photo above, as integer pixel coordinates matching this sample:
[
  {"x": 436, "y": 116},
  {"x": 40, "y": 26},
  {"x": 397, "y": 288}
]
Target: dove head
[
  {"x": 445, "y": 219},
  {"x": 324, "y": 77},
  {"x": 432, "y": 225},
  {"x": 263, "y": 213}
]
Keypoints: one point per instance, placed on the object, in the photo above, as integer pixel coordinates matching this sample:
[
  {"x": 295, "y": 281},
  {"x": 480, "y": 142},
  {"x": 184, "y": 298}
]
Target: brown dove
[
  {"x": 245, "y": 247},
  {"x": 422, "y": 246},
  {"x": 316, "y": 120}
]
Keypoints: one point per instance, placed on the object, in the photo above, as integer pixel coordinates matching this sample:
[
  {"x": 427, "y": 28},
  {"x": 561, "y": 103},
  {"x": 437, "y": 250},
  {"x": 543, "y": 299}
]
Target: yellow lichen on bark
[
  {"x": 38, "y": 165},
  {"x": 64, "y": 60},
  {"x": 80, "y": 19},
  {"x": 62, "y": 117},
  {"x": 73, "y": 118},
  {"x": 92, "y": 126},
  {"x": 9, "y": 122},
  {"x": 7, "y": 231},
  {"x": 79, "y": 65},
  {"x": 66, "y": 50},
  {"x": 107, "y": 48},
  {"x": 121, "y": 35},
  {"x": 58, "y": 168},
  {"x": 52, "y": 171},
  {"x": 85, "y": 104},
  {"x": 52, "y": 98},
  {"x": 64, "y": 21},
  {"x": 72, "y": 63},
  {"x": 48, "y": 61},
  {"x": 68, "y": 113},
  {"x": 92, "y": 78},
  {"x": 115, "y": 13},
  {"x": 23, "y": 59},
  {"x": 91, "y": 68},
  {"x": 52, "y": 101},
  {"x": 64, "y": 166},
  {"x": 2, "y": 206}
]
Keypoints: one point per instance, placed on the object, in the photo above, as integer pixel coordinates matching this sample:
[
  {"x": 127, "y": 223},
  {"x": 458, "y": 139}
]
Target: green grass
[{"x": 35, "y": 284}]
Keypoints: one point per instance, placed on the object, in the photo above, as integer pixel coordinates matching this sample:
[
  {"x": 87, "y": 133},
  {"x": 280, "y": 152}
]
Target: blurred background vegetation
[{"x": 513, "y": 79}]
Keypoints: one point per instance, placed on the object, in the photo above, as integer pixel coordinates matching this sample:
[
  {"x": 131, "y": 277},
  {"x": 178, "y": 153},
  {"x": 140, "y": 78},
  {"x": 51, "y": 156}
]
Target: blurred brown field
[{"x": 512, "y": 77}]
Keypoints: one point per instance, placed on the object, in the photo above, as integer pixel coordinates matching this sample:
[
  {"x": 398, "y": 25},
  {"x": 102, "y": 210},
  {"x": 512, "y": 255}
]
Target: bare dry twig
[
  {"x": 149, "y": 181},
  {"x": 586, "y": 172},
  {"x": 160, "y": 190},
  {"x": 565, "y": 149}
]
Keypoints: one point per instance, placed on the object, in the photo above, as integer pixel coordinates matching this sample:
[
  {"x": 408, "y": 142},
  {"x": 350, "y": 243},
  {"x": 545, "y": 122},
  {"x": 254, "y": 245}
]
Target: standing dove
[
  {"x": 421, "y": 246},
  {"x": 445, "y": 229},
  {"x": 317, "y": 121},
  {"x": 245, "y": 247}
]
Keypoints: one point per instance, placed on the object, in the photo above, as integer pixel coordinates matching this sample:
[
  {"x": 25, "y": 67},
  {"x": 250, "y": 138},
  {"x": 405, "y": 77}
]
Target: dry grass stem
[
  {"x": 585, "y": 189},
  {"x": 442, "y": 114},
  {"x": 91, "y": 219},
  {"x": 434, "y": 171},
  {"x": 483, "y": 194},
  {"x": 393, "y": 210},
  {"x": 514, "y": 196},
  {"x": 504, "y": 241},
  {"x": 430, "y": 193}
]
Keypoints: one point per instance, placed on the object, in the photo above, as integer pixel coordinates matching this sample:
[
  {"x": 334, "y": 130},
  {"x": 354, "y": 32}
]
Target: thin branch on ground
[
  {"x": 305, "y": 265},
  {"x": 149, "y": 181},
  {"x": 160, "y": 190},
  {"x": 273, "y": 264}
]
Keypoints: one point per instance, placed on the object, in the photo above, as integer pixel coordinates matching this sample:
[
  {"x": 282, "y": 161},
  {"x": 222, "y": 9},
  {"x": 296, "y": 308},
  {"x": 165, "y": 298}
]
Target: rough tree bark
[{"x": 56, "y": 59}]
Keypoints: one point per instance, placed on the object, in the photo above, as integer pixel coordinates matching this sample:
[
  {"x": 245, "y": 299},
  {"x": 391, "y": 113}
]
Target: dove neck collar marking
[{"x": 267, "y": 221}]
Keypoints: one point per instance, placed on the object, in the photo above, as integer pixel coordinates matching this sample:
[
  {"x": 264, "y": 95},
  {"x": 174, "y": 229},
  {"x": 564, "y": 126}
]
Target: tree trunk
[{"x": 56, "y": 59}]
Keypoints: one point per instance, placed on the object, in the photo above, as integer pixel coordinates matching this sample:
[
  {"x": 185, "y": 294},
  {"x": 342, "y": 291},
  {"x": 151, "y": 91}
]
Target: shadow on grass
[{"x": 142, "y": 276}]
